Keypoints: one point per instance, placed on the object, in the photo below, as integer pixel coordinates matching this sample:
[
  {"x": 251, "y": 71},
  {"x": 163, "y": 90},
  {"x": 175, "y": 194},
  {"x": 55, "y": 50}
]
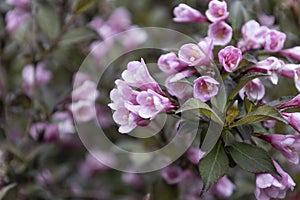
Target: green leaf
[
  {"x": 48, "y": 20},
  {"x": 251, "y": 158},
  {"x": 204, "y": 109},
  {"x": 260, "y": 114},
  {"x": 248, "y": 104},
  {"x": 83, "y": 5},
  {"x": 248, "y": 77},
  {"x": 170, "y": 192},
  {"x": 76, "y": 35},
  {"x": 213, "y": 166},
  {"x": 5, "y": 189}
]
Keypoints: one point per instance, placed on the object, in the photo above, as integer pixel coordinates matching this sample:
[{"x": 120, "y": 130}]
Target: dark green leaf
[
  {"x": 251, "y": 158},
  {"x": 248, "y": 104},
  {"x": 228, "y": 138},
  {"x": 250, "y": 58},
  {"x": 213, "y": 166},
  {"x": 76, "y": 35},
  {"x": 48, "y": 20},
  {"x": 83, "y": 5},
  {"x": 260, "y": 114},
  {"x": 236, "y": 16},
  {"x": 204, "y": 109},
  {"x": 245, "y": 131},
  {"x": 248, "y": 77}
]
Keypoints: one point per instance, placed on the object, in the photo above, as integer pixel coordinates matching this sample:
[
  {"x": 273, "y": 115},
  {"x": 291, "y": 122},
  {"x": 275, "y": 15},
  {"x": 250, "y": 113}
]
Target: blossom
[
  {"x": 172, "y": 174},
  {"x": 38, "y": 75},
  {"x": 220, "y": 32},
  {"x": 297, "y": 79},
  {"x": 205, "y": 87},
  {"x": 253, "y": 35},
  {"x": 150, "y": 104},
  {"x": 292, "y": 53},
  {"x": 230, "y": 58},
  {"x": 175, "y": 86},
  {"x": 255, "y": 90},
  {"x": 271, "y": 66},
  {"x": 16, "y": 18},
  {"x": 41, "y": 131},
  {"x": 170, "y": 63},
  {"x": 217, "y": 10},
  {"x": 83, "y": 110},
  {"x": 184, "y": 13},
  {"x": 293, "y": 102},
  {"x": 207, "y": 45},
  {"x": 293, "y": 119},
  {"x": 19, "y": 3},
  {"x": 126, "y": 119},
  {"x": 194, "y": 155},
  {"x": 223, "y": 187},
  {"x": 269, "y": 186},
  {"x": 192, "y": 54},
  {"x": 137, "y": 75},
  {"x": 274, "y": 41},
  {"x": 288, "y": 145},
  {"x": 266, "y": 20}
]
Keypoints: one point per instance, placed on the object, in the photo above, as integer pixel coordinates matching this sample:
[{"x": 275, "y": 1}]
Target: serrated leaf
[
  {"x": 251, "y": 158},
  {"x": 83, "y": 5},
  {"x": 5, "y": 189},
  {"x": 246, "y": 79},
  {"x": 260, "y": 114},
  {"x": 213, "y": 166},
  {"x": 204, "y": 109},
  {"x": 76, "y": 35},
  {"x": 48, "y": 20}
]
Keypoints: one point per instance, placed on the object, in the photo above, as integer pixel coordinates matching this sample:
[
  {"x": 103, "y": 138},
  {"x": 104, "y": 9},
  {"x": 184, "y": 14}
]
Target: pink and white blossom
[
  {"x": 170, "y": 63},
  {"x": 292, "y": 103},
  {"x": 194, "y": 155},
  {"x": 293, "y": 119},
  {"x": 172, "y": 174},
  {"x": 223, "y": 187},
  {"x": 205, "y": 87},
  {"x": 288, "y": 145},
  {"x": 16, "y": 18},
  {"x": 217, "y": 10},
  {"x": 44, "y": 132},
  {"x": 271, "y": 66},
  {"x": 255, "y": 90},
  {"x": 230, "y": 57},
  {"x": 207, "y": 45},
  {"x": 220, "y": 33},
  {"x": 184, "y": 13},
  {"x": 191, "y": 54},
  {"x": 269, "y": 186},
  {"x": 126, "y": 119},
  {"x": 274, "y": 41},
  {"x": 292, "y": 53},
  {"x": 137, "y": 75},
  {"x": 83, "y": 110}
]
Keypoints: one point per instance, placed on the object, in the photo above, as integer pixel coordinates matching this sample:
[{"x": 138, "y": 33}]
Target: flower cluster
[
  {"x": 137, "y": 98},
  {"x": 186, "y": 79}
]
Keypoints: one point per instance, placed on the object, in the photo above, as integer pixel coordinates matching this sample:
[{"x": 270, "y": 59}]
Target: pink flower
[
  {"x": 207, "y": 45},
  {"x": 83, "y": 110},
  {"x": 255, "y": 90},
  {"x": 288, "y": 145},
  {"x": 292, "y": 103},
  {"x": 137, "y": 75},
  {"x": 297, "y": 79},
  {"x": 266, "y": 20},
  {"x": 19, "y": 3},
  {"x": 132, "y": 179},
  {"x": 150, "y": 104},
  {"x": 230, "y": 58},
  {"x": 269, "y": 123},
  {"x": 269, "y": 186},
  {"x": 119, "y": 20},
  {"x": 194, "y": 155},
  {"x": 192, "y": 54},
  {"x": 172, "y": 174},
  {"x": 86, "y": 91},
  {"x": 184, "y": 13},
  {"x": 288, "y": 70},
  {"x": 126, "y": 119},
  {"x": 45, "y": 177},
  {"x": 205, "y": 87},
  {"x": 253, "y": 35},
  {"x": 170, "y": 63},
  {"x": 39, "y": 74},
  {"x": 220, "y": 32},
  {"x": 65, "y": 124},
  {"x": 100, "y": 48},
  {"x": 292, "y": 53},
  {"x": 293, "y": 119},
  {"x": 223, "y": 187},
  {"x": 43, "y": 132},
  {"x": 274, "y": 41},
  {"x": 271, "y": 66},
  {"x": 16, "y": 18},
  {"x": 174, "y": 85},
  {"x": 217, "y": 10}
]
